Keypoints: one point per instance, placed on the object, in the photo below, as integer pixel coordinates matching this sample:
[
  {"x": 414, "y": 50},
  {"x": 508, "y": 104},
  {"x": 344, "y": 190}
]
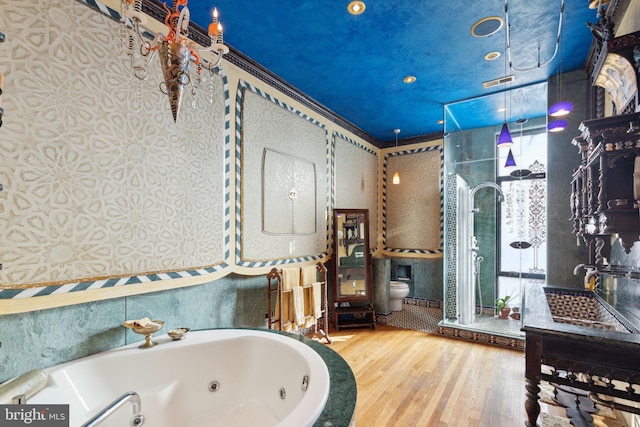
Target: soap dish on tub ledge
[{"x": 178, "y": 333}]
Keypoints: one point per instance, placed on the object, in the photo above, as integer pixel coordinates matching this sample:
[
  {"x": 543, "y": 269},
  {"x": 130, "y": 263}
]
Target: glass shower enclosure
[{"x": 495, "y": 215}]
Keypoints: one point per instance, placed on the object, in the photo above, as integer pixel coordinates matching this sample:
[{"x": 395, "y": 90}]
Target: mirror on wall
[{"x": 351, "y": 247}]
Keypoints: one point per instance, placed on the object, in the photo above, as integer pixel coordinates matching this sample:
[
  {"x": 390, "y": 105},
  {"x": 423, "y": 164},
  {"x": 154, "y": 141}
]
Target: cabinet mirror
[{"x": 351, "y": 255}]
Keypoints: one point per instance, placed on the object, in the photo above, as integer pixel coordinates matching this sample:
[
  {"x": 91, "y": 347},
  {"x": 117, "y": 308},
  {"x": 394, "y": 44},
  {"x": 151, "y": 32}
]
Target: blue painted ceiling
[{"x": 355, "y": 65}]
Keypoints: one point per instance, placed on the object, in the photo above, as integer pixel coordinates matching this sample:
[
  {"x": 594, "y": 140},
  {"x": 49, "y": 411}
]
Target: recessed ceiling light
[
  {"x": 409, "y": 79},
  {"x": 356, "y": 7},
  {"x": 440, "y": 122},
  {"x": 491, "y": 56},
  {"x": 487, "y": 26},
  {"x": 502, "y": 109}
]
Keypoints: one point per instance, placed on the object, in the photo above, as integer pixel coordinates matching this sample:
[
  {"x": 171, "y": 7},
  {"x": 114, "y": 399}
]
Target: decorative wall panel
[
  {"x": 266, "y": 129},
  {"x": 288, "y": 194},
  {"x": 98, "y": 179},
  {"x": 356, "y": 180},
  {"x": 413, "y": 221}
]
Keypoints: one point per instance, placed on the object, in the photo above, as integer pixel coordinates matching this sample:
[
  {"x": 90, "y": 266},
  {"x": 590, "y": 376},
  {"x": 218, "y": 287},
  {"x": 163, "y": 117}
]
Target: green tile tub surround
[
  {"x": 233, "y": 301},
  {"x": 57, "y": 335},
  {"x": 44, "y": 338}
]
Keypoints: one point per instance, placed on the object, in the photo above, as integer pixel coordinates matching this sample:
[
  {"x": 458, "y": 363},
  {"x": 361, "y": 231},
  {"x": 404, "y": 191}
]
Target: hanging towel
[
  {"x": 298, "y": 305},
  {"x": 286, "y": 317},
  {"x": 308, "y": 306},
  {"x": 308, "y": 274},
  {"x": 316, "y": 291},
  {"x": 284, "y": 313},
  {"x": 290, "y": 278}
]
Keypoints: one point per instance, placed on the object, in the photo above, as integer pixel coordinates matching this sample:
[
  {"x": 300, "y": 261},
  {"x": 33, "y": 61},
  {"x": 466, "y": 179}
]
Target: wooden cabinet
[
  {"x": 605, "y": 193},
  {"x": 352, "y": 269}
]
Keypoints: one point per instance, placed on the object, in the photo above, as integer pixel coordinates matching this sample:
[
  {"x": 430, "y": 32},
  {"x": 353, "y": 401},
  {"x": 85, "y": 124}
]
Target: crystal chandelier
[{"x": 175, "y": 50}]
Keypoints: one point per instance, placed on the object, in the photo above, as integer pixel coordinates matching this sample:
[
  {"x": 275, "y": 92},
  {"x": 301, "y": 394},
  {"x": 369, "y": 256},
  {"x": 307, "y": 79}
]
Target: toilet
[{"x": 397, "y": 292}]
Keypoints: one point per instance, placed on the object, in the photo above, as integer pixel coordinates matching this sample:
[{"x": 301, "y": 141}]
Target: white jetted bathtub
[{"x": 220, "y": 377}]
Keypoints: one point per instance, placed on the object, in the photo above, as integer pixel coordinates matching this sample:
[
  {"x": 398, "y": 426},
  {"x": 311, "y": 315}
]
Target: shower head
[{"x": 493, "y": 185}]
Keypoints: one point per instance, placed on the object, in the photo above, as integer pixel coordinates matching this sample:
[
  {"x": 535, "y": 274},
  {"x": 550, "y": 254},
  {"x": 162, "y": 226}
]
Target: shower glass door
[{"x": 495, "y": 217}]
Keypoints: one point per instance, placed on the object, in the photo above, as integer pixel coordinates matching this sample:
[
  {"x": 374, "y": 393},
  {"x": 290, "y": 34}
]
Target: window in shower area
[
  {"x": 522, "y": 245},
  {"x": 495, "y": 217}
]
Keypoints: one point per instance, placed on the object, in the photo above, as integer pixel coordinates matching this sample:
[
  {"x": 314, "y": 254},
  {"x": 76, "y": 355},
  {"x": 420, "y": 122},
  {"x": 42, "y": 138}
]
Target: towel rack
[{"x": 275, "y": 293}]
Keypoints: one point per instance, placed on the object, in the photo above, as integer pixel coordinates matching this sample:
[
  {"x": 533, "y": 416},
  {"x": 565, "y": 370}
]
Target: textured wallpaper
[
  {"x": 281, "y": 150},
  {"x": 356, "y": 185},
  {"x": 413, "y": 209},
  {"x": 94, "y": 185}
]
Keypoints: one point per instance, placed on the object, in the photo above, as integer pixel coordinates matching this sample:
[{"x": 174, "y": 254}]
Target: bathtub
[{"x": 219, "y": 377}]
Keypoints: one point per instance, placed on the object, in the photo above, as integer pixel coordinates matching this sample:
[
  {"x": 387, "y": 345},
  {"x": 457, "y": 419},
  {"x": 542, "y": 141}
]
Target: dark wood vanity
[
  {"x": 593, "y": 349},
  {"x": 589, "y": 339}
]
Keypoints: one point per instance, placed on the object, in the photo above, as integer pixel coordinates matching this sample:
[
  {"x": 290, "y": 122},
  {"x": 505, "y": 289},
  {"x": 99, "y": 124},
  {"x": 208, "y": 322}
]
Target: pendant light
[
  {"x": 504, "y": 139},
  {"x": 511, "y": 161},
  {"x": 557, "y": 125},
  {"x": 560, "y": 108},
  {"x": 396, "y": 176}
]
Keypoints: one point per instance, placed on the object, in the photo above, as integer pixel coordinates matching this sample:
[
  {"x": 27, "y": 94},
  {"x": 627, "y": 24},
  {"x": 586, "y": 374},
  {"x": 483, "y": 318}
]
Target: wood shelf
[{"x": 354, "y": 317}]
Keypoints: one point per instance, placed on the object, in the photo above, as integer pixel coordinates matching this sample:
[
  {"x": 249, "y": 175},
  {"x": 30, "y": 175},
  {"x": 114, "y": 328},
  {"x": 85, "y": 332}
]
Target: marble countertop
[{"x": 537, "y": 319}]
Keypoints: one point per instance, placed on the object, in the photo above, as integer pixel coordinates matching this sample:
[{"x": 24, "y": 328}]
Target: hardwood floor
[{"x": 411, "y": 378}]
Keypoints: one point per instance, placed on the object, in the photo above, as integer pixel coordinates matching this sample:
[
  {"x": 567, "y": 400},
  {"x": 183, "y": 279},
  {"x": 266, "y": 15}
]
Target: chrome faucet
[
  {"x": 136, "y": 407},
  {"x": 589, "y": 273},
  {"x": 577, "y": 268}
]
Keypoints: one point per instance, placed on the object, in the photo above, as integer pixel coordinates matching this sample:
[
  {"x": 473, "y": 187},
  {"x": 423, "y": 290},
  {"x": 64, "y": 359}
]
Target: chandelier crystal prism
[{"x": 175, "y": 49}]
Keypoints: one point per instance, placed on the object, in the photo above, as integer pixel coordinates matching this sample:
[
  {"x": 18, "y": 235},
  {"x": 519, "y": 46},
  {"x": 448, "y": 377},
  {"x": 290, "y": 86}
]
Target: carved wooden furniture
[
  {"x": 615, "y": 69},
  {"x": 606, "y": 186},
  {"x": 352, "y": 269},
  {"x": 598, "y": 353}
]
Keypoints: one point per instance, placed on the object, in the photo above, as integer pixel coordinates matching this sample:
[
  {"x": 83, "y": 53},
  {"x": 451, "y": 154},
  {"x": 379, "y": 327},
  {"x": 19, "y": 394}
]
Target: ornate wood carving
[
  {"x": 608, "y": 149},
  {"x": 588, "y": 358}
]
